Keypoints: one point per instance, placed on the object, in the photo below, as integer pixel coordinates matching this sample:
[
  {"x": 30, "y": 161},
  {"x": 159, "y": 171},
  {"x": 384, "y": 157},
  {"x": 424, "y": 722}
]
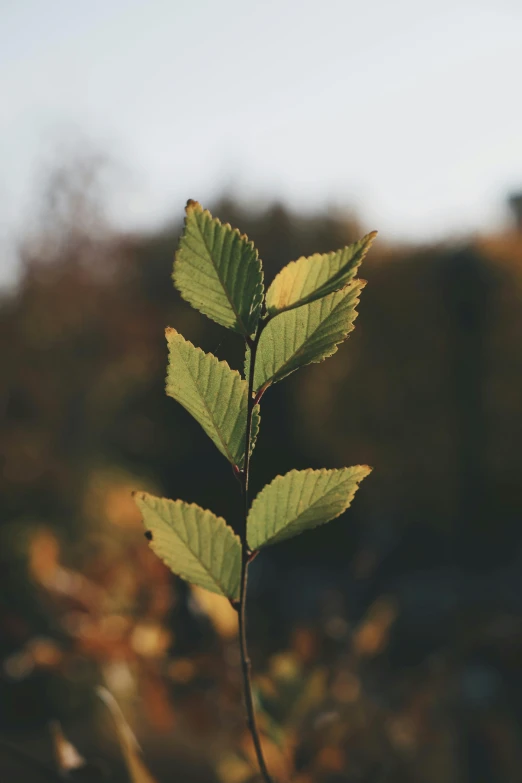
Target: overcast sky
[{"x": 409, "y": 110}]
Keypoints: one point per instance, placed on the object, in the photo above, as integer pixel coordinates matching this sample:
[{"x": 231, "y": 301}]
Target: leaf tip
[
  {"x": 140, "y": 497},
  {"x": 192, "y": 205}
]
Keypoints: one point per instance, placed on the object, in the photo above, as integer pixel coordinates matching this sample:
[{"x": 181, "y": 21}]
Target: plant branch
[{"x": 245, "y": 559}]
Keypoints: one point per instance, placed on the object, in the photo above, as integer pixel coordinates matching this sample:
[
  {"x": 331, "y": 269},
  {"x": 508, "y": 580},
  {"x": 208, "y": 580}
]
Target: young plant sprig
[{"x": 307, "y": 311}]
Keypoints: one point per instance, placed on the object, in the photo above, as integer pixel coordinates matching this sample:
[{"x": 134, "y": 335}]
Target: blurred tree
[{"x": 436, "y": 389}]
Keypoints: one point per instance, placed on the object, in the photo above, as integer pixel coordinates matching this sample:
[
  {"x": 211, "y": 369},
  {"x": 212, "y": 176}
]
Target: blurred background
[{"x": 387, "y": 645}]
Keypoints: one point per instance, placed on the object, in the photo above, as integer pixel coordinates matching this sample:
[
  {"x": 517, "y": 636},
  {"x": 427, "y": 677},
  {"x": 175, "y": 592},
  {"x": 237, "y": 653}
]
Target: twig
[{"x": 245, "y": 560}]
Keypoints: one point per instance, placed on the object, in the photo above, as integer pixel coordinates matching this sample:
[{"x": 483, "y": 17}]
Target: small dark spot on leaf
[{"x": 148, "y": 535}]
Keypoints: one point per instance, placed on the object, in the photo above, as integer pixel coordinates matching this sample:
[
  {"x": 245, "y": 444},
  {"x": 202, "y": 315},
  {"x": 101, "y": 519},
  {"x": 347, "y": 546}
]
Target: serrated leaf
[
  {"x": 307, "y": 279},
  {"x": 299, "y": 501},
  {"x": 218, "y": 271},
  {"x": 246, "y": 365},
  {"x": 195, "y": 544},
  {"x": 305, "y": 335},
  {"x": 214, "y": 394}
]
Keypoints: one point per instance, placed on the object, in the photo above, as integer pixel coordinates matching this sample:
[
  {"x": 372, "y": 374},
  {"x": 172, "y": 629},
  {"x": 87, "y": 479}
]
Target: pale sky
[{"x": 408, "y": 111}]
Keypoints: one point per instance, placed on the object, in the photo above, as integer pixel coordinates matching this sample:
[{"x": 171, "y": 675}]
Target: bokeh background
[{"x": 386, "y": 646}]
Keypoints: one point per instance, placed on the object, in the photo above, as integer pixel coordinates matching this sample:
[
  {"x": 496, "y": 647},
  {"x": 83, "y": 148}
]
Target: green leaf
[
  {"x": 246, "y": 365},
  {"x": 214, "y": 394},
  {"x": 307, "y": 279},
  {"x": 194, "y": 543},
  {"x": 307, "y": 334},
  {"x": 301, "y": 500},
  {"x": 218, "y": 271}
]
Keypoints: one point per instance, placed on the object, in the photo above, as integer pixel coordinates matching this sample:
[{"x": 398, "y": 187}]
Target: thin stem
[
  {"x": 245, "y": 660},
  {"x": 246, "y": 671}
]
